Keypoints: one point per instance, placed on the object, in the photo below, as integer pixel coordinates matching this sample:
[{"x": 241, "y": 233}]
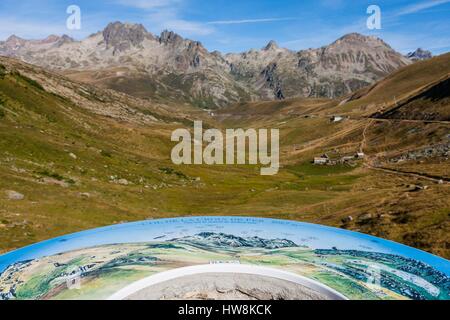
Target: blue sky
[{"x": 238, "y": 25}]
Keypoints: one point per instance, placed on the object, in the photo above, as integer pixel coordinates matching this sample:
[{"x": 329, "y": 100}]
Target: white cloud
[
  {"x": 249, "y": 21},
  {"x": 421, "y": 6}
]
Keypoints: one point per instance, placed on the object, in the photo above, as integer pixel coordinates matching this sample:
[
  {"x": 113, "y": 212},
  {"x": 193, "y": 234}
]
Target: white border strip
[{"x": 226, "y": 268}]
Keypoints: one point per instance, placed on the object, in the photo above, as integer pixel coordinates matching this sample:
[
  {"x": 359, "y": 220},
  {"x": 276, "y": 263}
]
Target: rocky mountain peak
[
  {"x": 13, "y": 44},
  {"x": 355, "y": 42},
  {"x": 14, "y": 40},
  {"x": 51, "y": 38},
  {"x": 359, "y": 40},
  {"x": 170, "y": 37},
  {"x": 419, "y": 54},
  {"x": 185, "y": 49},
  {"x": 195, "y": 45},
  {"x": 272, "y": 45},
  {"x": 353, "y": 37},
  {"x": 217, "y": 54},
  {"x": 122, "y": 36},
  {"x": 64, "y": 39}
]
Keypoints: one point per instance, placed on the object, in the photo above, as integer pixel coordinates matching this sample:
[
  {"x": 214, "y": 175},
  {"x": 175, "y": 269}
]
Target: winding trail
[
  {"x": 411, "y": 121},
  {"x": 436, "y": 179},
  {"x": 369, "y": 162}
]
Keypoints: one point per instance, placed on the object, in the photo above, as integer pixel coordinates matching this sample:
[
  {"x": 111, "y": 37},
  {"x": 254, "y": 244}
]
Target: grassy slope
[
  {"x": 431, "y": 104},
  {"x": 399, "y": 86},
  {"x": 39, "y": 131}
]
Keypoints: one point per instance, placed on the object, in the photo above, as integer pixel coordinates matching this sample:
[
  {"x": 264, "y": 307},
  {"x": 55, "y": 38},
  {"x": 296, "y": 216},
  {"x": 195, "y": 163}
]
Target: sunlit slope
[
  {"x": 419, "y": 89},
  {"x": 432, "y": 104}
]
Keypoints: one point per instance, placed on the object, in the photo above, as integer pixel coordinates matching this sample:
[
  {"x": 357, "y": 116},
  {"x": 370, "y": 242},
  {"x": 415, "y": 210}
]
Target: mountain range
[
  {"x": 128, "y": 58},
  {"x": 222, "y": 240}
]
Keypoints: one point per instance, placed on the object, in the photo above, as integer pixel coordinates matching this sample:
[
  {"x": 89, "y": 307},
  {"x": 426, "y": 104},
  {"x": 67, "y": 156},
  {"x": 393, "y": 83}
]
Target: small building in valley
[
  {"x": 335, "y": 119},
  {"x": 360, "y": 155},
  {"x": 325, "y": 159}
]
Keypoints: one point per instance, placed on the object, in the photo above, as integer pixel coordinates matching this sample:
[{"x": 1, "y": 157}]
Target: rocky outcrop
[
  {"x": 433, "y": 151},
  {"x": 121, "y": 37},
  {"x": 272, "y": 45},
  {"x": 175, "y": 68},
  {"x": 14, "y": 195},
  {"x": 271, "y": 79},
  {"x": 419, "y": 55},
  {"x": 170, "y": 37}
]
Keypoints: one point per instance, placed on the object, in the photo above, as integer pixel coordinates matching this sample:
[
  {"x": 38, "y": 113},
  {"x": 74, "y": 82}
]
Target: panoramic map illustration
[{"x": 99, "y": 263}]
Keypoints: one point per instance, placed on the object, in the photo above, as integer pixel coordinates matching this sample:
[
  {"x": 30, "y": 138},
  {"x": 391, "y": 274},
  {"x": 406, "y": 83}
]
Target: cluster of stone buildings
[{"x": 326, "y": 160}]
